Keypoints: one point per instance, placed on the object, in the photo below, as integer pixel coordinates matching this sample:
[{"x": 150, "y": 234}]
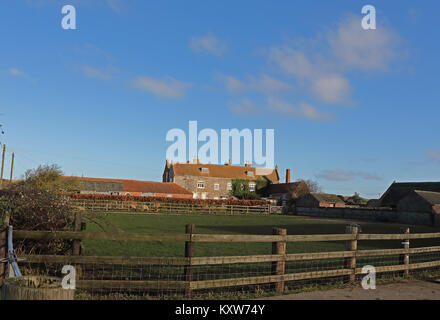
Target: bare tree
[{"x": 313, "y": 185}]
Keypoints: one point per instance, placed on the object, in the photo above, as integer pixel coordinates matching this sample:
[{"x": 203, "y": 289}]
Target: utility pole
[
  {"x": 12, "y": 166},
  {"x": 3, "y": 164}
]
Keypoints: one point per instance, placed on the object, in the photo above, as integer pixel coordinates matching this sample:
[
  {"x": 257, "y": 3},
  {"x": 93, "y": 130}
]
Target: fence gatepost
[
  {"x": 189, "y": 253},
  {"x": 351, "y": 245},
  {"x": 279, "y": 267},
  {"x": 404, "y": 258}
]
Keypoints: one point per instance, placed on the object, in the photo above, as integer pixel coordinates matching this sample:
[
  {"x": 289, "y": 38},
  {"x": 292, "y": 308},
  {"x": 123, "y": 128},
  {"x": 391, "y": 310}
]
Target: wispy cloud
[
  {"x": 434, "y": 155},
  {"x": 279, "y": 108},
  {"x": 95, "y": 73},
  {"x": 346, "y": 175},
  {"x": 169, "y": 88},
  {"x": 263, "y": 83},
  {"x": 244, "y": 107},
  {"x": 208, "y": 44},
  {"x": 18, "y": 73},
  {"x": 357, "y": 48},
  {"x": 302, "y": 110},
  {"x": 323, "y": 69}
]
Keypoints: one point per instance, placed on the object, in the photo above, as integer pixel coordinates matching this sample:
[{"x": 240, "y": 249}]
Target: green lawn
[{"x": 132, "y": 223}]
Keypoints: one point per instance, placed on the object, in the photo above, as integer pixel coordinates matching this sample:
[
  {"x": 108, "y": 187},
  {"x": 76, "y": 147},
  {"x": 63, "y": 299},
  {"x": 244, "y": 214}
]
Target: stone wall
[{"x": 374, "y": 215}]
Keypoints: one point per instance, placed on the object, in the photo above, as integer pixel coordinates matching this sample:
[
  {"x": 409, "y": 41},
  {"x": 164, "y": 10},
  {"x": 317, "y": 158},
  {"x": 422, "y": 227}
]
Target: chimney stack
[{"x": 288, "y": 176}]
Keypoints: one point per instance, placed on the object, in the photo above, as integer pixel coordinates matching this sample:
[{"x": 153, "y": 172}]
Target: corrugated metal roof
[
  {"x": 399, "y": 190},
  {"x": 432, "y": 197}
]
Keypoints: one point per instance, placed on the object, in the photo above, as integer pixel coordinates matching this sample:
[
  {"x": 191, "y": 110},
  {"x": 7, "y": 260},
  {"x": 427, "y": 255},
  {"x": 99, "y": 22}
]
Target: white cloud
[
  {"x": 344, "y": 175},
  {"x": 303, "y": 110},
  {"x": 169, "y": 88},
  {"x": 434, "y": 155},
  {"x": 208, "y": 44},
  {"x": 328, "y": 86},
  {"x": 264, "y": 83},
  {"x": 362, "y": 49},
  {"x": 18, "y": 73},
  {"x": 244, "y": 107},
  {"x": 350, "y": 47},
  {"x": 331, "y": 88},
  {"x": 95, "y": 73}
]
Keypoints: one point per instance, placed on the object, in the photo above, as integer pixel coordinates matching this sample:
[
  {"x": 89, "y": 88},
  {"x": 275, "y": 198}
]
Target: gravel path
[{"x": 405, "y": 290}]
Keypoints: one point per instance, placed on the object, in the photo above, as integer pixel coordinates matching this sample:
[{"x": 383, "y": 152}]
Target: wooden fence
[
  {"x": 172, "y": 208},
  {"x": 277, "y": 258}
]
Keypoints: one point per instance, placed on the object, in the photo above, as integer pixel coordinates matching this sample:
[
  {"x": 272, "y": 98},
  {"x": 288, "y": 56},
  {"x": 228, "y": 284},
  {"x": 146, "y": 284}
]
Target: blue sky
[{"x": 352, "y": 109}]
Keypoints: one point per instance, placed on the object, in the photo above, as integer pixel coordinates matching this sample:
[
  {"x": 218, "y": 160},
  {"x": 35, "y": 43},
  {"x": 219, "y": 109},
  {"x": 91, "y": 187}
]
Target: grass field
[{"x": 136, "y": 223}]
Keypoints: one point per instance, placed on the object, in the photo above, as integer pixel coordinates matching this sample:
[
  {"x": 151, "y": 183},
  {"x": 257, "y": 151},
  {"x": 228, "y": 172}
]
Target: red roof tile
[
  {"x": 141, "y": 186},
  {"x": 223, "y": 171}
]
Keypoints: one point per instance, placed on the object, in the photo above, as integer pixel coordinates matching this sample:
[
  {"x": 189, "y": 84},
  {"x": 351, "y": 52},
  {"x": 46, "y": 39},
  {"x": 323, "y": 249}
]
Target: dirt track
[{"x": 405, "y": 290}]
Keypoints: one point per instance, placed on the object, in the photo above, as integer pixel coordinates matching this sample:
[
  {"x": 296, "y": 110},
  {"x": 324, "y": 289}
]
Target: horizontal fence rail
[
  {"x": 279, "y": 258},
  {"x": 172, "y": 208},
  {"x": 68, "y": 235}
]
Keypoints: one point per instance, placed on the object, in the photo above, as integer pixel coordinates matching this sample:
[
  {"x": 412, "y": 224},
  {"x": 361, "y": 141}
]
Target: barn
[
  {"x": 320, "y": 200},
  {"x": 130, "y": 188},
  {"x": 420, "y": 201},
  {"x": 399, "y": 190}
]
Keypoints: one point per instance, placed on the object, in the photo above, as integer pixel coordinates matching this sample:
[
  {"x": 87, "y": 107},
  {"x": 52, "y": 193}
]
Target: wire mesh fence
[{"x": 237, "y": 277}]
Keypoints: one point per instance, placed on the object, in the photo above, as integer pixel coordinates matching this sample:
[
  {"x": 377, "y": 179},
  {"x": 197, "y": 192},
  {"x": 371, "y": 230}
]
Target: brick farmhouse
[{"x": 212, "y": 181}]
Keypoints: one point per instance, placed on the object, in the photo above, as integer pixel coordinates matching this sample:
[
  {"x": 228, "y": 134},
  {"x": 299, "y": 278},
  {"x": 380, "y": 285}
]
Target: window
[
  {"x": 252, "y": 187},
  {"x": 229, "y": 187},
  {"x": 204, "y": 170},
  {"x": 250, "y": 173},
  {"x": 201, "y": 185},
  {"x": 216, "y": 186}
]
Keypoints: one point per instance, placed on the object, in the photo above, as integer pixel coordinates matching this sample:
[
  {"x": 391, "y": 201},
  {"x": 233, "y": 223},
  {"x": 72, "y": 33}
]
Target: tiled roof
[
  {"x": 223, "y": 171},
  {"x": 130, "y": 185}
]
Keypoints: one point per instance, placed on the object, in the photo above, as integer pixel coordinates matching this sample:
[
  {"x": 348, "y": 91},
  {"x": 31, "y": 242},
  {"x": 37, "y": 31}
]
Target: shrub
[
  {"x": 36, "y": 209},
  {"x": 98, "y": 197}
]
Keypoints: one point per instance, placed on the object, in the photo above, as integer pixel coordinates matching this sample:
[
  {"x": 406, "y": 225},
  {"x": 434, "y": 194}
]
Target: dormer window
[
  {"x": 250, "y": 173},
  {"x": 204, "y": 170}
]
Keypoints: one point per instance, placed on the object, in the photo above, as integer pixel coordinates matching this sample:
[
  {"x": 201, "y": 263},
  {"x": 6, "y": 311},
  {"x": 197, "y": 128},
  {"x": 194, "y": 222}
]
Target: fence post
[
  {"x": 404, "y": 258},
  {"x": 189, "y": 253},
  {"x": 351, "y": 245},
  {"x": 3, "y": 253},
  {"x": 77, "y": 227},
  {"x": 279, "y": 248},
  {"x": 4, "y": 266}
]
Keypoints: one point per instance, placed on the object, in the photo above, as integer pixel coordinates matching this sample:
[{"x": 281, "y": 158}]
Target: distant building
[
  {"x": 320, "y": 200},
  {"x": 212, "y": 181},
  {"x": 130, "y": 188},
  {"x": 398, "y": 191},
  {"x": 373, "y": 203},
  {"x": 420, "y": 201},
  {"x": 283, "y": 192}
]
